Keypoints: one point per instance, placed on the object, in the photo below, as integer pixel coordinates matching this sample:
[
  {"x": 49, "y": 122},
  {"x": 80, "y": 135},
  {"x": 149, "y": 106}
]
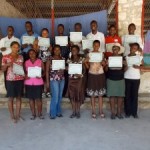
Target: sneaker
[
  {"x": 113, "y": 116},
  {"x": 43, "y": 95},
  {"x": 120, "y": 116},
  {"x": 48, "y": 95}
]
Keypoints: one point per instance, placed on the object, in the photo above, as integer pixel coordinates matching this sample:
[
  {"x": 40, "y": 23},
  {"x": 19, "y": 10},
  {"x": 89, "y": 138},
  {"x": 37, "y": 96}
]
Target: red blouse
[{"x": 10, "y": 75}]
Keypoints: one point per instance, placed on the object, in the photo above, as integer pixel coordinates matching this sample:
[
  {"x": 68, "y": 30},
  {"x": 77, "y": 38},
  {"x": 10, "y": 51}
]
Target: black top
[
  {"x": 115, "y": 74},
  {"x": 65, "y": 50}
]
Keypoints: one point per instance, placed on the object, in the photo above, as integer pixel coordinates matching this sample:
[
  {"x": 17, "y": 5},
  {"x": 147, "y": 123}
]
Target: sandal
[
  {"x": 119, "y": 116},
  {"x": 21, "y": 118},
  {"x": 93, "y": 116},
  {"x": 48, "y": 95},
  {"x": 14, "y": 120},
  {"x": 41, "y": 117},
  {"x": 33, "y": 117},
  {"x": 73, "y": 115},
  {"x": 102, "y": 115}
]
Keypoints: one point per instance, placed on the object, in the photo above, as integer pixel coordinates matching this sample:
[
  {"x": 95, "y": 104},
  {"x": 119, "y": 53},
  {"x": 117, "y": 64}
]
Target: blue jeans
[{"x": 57, "y": 91}]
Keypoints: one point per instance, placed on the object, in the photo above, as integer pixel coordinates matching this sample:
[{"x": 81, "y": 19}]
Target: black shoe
[
  {"x": 52, "y": 117},
  {"x": 78, "y": 115},
  {"x": 127, "y": 116},
  {"x": 120, "y": 116},
  {"x": 135, "y": 116},
  {"x": 73, "y": 115},
  {"x": 60, "y": 115},
  {"x": 113, "y": 116}
]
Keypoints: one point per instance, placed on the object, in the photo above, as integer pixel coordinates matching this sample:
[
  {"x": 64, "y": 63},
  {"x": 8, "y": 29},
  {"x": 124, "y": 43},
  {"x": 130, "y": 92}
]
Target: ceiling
[{"x": 63, "y": 8}]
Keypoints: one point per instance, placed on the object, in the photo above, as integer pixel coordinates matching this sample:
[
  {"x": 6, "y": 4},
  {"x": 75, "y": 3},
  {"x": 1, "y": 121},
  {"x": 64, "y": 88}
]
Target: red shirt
[{"x": 112, "y": 39}]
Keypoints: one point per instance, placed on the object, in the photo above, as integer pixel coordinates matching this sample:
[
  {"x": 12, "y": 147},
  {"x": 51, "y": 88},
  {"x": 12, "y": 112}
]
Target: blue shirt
[{"x": 29, "y": 47}]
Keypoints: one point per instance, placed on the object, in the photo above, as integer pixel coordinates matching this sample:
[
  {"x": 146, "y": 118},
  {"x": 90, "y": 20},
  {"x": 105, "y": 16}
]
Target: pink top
[{"x": 33, "y": 81}]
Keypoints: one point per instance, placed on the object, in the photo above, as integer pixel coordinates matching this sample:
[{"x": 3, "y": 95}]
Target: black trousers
[
  {"x": 131, "y": 96},
  {"x": 1, "y": 60}
]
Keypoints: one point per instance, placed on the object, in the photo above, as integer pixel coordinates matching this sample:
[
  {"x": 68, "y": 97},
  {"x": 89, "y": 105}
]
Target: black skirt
[
  {"x": 34, "y": 92},
  {"x": 15, "y": 88},
  {"x": 96, "y": 85}
]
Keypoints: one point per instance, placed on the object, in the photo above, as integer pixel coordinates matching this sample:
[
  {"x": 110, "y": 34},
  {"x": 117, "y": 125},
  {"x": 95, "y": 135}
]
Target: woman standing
[
  {"x": 76, "y": 83},
  {"x": 116, "y": 84},
  {"x": 44, "y": 52},
  {"x": 96, "y": 81},
  {"x": 34, "y": 84},
  {"x": 132, "y": 82},
  {"x": 56, "y": 80},
  {"x": 14, "y": 79}
]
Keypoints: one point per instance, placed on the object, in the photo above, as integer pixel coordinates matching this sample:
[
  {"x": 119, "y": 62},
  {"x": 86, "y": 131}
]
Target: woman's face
[
  {"x": 74, "y": 51},
  {"x": 116, "y": 50},
  {"x": 15, "y": 48},
  {"x": 60, "y": 30},
  {"x": 133, "y": 49},
  {"x": 112, "y": 31},
  {"x": 57, "y": 51},
  {"x": 132, "y": 29},
  {"x": 32, "y": 55},
  {"x": 45, "y": 34},
  {"x": 96, "y": 46}
]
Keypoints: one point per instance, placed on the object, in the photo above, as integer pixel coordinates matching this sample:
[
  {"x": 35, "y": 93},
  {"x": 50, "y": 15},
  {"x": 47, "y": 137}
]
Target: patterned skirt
[{"x": 96, "y": 85}]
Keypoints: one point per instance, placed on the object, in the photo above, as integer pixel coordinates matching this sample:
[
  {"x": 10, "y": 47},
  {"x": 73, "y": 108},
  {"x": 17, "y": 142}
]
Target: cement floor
[{"x": 75, "y": 134}]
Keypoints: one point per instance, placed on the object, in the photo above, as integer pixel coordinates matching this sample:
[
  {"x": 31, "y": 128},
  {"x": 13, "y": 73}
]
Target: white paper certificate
[
  {"x": 7, "y": 44},
  {"x": 131, "y": 38},
  {"x": 115, "y": 62},
  {"x": 133, "y": 60},
  {"x": 109, "y": 47},
  {"x": 75, "y": 69},
  {"x": 87, "y": 44},
  {"x": 28, "y": 39},
  {"x": 95, "y": 57},
  {"x": 43, "y": 41},
  {"x": 75, "y": 37},
  {"x": 34, "y": 72},
  {"x": 7, "y": 51},
  {"x": 18, "y": 70},
  {"x": 61, "y": 40},
  {"x": 58, "y": 64}
]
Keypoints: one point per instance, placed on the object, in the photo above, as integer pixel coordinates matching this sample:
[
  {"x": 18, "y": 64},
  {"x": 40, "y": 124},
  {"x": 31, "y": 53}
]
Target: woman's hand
[
  {"x": 136, "y": 66},
  {"x": 10, "y": 64},
  {"x": 24, "y": 46},
  {"x": 3, "y": 49},
  {"x": 26, "y": 77},
  {"x": 78, "y": 75}
]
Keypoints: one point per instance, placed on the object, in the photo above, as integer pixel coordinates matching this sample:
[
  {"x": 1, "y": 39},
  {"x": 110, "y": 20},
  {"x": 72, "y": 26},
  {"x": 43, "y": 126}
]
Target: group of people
[{"x": 97, "y": 79}]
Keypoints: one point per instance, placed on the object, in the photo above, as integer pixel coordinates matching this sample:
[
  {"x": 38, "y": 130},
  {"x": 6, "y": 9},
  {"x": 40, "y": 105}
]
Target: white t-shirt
[
  {"x": 132, "y": 73},
  {"x": 6, "y": 42},
  {"x": 127, "y": 39},
  {"x": 98, "y": 36}
]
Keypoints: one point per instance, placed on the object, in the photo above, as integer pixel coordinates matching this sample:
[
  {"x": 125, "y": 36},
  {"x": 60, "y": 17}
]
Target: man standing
[
  {"x": 96, "y": 35},
  {"x": 29, "y": 33}
]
